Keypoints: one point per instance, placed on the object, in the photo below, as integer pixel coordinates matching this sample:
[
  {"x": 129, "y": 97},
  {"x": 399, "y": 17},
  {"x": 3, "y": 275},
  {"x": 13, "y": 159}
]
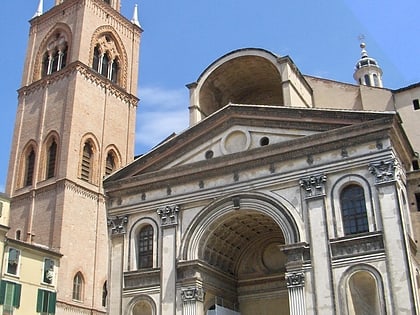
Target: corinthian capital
[
  {"x": 313, "y": 186},
  {"x": 168, "y": 215}
]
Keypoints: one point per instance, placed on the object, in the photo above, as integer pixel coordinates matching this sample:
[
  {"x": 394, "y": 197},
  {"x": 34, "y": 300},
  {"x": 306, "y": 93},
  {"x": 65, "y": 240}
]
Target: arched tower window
[
  {"x": 78, "y": 284},
  {"x": 145, "y": 247},
  {"x": 30, "y": 167},
  {"x": 105, "y": 58},
  {"x": 367, "y": 80},
  {"x": 55, "y": 58},
  {"x": 353, "y": 209},
  {"x": 86, "y": 163},
  {"x": 51, "y": 159},
  {"x": 110, "y": 163}
]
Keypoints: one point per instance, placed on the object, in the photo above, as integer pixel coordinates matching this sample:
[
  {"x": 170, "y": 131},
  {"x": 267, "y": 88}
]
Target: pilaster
[
  {"x": 117, "y": 230},
  {"x": 386, "y": 174},
  {"x": 314, "y": 194},
  {"x": 169, "y": 222},
  {"x": 192, "y": 300}
]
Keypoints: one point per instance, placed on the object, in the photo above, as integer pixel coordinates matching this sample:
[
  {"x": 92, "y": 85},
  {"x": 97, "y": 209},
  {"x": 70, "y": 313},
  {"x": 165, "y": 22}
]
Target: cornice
[
  {"x": 243, "y": 161},
  {"x": 87, "y": 73}
]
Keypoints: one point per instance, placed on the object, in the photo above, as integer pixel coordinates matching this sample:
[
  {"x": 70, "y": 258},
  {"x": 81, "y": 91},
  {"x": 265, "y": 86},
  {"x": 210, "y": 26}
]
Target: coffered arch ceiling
[
  {"x": 234, "y": 238},
  {"x": 246, "y": 79}
]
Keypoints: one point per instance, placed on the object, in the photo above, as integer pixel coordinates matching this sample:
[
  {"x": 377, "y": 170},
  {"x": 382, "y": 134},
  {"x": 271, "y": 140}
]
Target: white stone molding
[
  {"x": 168, "y": 215},
  {"x": 313, "y": 186},
  {"x": 384, "y": 171},
  {"x": 117, "y": 225}
]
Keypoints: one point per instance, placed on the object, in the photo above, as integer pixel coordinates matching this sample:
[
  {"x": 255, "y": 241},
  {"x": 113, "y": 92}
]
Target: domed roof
[{"x": 365, "y": 60}]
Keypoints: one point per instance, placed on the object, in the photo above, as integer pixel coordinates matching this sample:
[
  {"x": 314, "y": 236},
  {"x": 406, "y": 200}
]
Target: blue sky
[{"x": 181, "y": 38}]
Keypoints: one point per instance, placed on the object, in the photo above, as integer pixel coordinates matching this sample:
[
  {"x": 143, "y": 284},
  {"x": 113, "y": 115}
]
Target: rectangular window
[
  {"x": 416, "y": 104},
  {"x": 46, "y": 301},
  {"x": 48, "y": 274},
  {"x": 13, "y": 261},
  {"x": 9, "y": 296}
]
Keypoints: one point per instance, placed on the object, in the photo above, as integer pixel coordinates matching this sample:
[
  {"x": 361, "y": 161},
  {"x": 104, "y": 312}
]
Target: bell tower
[{"x": 75, "y": 124}]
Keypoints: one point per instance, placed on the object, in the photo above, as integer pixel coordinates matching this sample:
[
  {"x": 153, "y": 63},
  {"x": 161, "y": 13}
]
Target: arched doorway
[{"x": 238, "y": 242}]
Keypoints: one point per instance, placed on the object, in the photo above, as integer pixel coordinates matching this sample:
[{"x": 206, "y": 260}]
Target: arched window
[
  {"x": 367, "y": 80},
  {"x": 51, "y": 159},
  {"x": 30, "y": 167},
  {"x": 78, "y": 284},
  {"x": 353, "y": 210},
  {"x": 55, "y": 58},
  {"x": 109, "y": 163},
  {"x": 145, "y": 247},
  {"x": 105, "y": 58},
  {"x": 375, "y": 79},
  {"x": 86, "y": 167},
  {"x": 362, "y": 294}
]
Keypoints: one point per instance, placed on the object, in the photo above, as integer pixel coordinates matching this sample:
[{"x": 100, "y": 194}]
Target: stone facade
[{"x": 255, "y": 208}]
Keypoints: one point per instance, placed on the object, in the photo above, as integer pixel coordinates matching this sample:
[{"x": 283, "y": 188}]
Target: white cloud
[{"x": 161, "y": 112}]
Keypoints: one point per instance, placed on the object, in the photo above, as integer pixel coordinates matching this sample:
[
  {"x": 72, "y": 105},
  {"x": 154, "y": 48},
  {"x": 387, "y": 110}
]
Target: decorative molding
[
  {"x": 357, "y": 246},
  {"x": 384, "y": 171},
  {"x": 117, "y": 225},
  {"x": 295, "y": 279},
  {"x": 168, "y": 215},
  {"x": 314, "y": 186},
  {"x": 297, "y": 255},
  {"x": 192, "y": 294}
]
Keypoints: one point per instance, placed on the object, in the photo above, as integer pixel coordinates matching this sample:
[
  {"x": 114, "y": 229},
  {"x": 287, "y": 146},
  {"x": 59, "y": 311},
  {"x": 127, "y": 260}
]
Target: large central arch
[{"x": 238, "y": 238}]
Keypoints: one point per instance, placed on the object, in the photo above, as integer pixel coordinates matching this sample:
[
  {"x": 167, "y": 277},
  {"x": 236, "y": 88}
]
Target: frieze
[
  {"x": 192, "y": 294},
  {"x": 168, "y": 215},
  {"x": 141, "y": 279},
  {"x": 384, "y": 171},
  {"x": 117, "y": 225},
  {"x": 297, "y": 255},
  {"x": 313, "y": 186},
  {"x": 356, "y": 246},
  {"x": 295, "y": 279}
]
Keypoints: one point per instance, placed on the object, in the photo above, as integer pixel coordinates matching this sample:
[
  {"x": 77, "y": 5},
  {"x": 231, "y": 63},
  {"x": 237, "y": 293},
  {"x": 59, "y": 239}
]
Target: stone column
[
  {"x": 117, "y": 229},
  {"x": 397, "y": 248},
  {"x": 192, "y": 300},
  {"x": 314, "y": 194},
  {"x": 297, "y": 255},
  {"x": 169, "y": 221}
]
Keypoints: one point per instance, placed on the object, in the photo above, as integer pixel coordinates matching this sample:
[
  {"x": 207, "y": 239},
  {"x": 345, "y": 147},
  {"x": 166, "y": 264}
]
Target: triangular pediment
[{"x": 244, "y": 132}]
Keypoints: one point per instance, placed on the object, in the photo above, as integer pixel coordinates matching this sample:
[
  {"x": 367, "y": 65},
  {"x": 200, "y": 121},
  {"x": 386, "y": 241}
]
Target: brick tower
[{"x": 75, "y": 124}]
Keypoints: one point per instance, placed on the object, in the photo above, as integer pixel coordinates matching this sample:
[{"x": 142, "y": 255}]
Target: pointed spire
[
  {"x": 40, "y": 9},
  {"x": 135, "y": 19}
]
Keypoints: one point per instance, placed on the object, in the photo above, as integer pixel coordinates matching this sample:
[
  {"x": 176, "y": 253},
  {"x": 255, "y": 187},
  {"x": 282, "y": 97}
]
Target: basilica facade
[{"x": 288, "y": 194}]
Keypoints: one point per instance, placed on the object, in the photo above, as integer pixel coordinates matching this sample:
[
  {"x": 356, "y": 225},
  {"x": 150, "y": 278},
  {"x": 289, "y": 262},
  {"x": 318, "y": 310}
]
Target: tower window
[
  {"x": 78, "y": 287},
  {"x": 416, "y": 104},
  {"x": 367, "y": 80},
  {"x": 55, "y": 58},
  {"x": 104, "y": 294},
  {"x": 30, "y": 167},
  {"x": 375, "y": 79},
  {"x": 51, "y": 159},
  {"x": 105, "y": 59},
  {"x": 353, "y": 210},
  {"x": 86, "y": 162},
  {"x": 145, "y": 247},
  {"x": 110, "y": 164}
]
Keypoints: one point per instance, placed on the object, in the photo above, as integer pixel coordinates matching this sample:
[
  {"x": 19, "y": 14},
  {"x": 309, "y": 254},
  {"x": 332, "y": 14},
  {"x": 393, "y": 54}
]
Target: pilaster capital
[
  {"x": 117, "y": 225},
  {"x": 313, "y": 186},
  {"x": 192, "y": 294},
  {"x": 295, "y": 279},
  {"x": 384, "y": 171},
  {"x": 168, "y": 215}
]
